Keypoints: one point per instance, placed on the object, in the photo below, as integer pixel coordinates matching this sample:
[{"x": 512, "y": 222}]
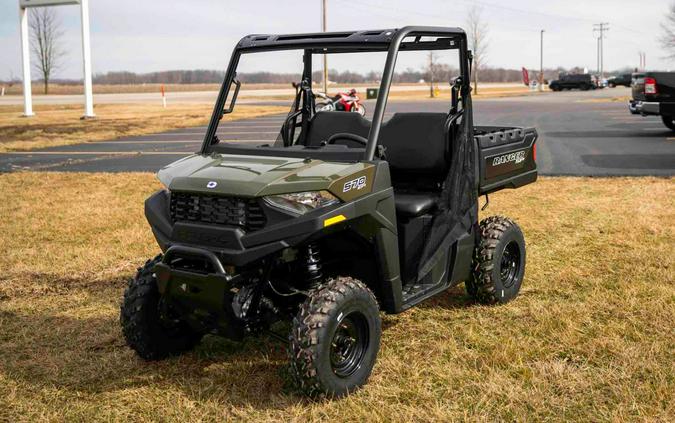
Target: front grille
[{"x": 245, "y": 213}]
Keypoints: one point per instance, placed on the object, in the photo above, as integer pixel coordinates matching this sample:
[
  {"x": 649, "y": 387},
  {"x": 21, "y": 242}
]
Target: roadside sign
[
  {"x": 41, "y": 3},
  {"x": 24, "y": 5}
]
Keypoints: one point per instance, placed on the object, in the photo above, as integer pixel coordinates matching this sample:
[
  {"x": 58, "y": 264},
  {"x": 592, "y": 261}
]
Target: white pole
[
  {"x": 86, "y": 57},
  {"x": 325, "y": 57},
  {"x": 541, "y": 62},
  {"x": 25, "y": 61}
]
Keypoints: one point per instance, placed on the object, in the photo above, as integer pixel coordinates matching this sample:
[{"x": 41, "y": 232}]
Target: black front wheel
[
  {"x": 335, "y": 338},
  {"x": 499, "y": 261},
  {"x": 669, "y": 121},
  {"x": 149, "y": 325}
]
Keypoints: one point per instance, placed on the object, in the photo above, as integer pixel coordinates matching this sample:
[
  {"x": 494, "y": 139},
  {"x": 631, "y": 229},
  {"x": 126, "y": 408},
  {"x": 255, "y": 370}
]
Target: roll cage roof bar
[{"x": 392, "y": 41}]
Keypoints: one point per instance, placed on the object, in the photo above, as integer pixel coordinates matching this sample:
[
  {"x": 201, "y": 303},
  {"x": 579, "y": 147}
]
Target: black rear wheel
[
  {"x": 499, "y": 261},
  {"x": 335, "y": 338},
  {"x": 669, "y": 121}
]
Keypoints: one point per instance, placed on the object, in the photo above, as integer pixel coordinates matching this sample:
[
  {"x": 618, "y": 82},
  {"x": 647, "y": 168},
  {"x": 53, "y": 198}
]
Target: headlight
[{"x": 302, "y": 202}]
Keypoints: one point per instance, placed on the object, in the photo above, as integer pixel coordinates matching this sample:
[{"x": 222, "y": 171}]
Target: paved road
[{"x": 581, "y": 133}]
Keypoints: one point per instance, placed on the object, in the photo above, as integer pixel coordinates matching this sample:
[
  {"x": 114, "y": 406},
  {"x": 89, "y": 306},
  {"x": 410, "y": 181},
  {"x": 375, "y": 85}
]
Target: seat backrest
[
  {"x": 325, "y": 124},
  {"x": 417, "y": 147}
]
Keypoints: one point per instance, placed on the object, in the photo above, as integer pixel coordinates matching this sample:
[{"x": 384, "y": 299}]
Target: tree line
[{"x": 441, "y": 73}]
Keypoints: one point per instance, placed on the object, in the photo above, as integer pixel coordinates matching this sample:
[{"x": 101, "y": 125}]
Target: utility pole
[
  {"x": 601, "y": 28},
  {"x": 643, "y": 60},
  {"x": 325, "y": 58},
  {"x": 541, "y": 61},
  {"x": 597, "y": 55}
]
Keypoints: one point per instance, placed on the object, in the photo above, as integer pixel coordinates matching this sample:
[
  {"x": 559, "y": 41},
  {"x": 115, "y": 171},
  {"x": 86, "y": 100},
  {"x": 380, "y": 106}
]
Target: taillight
[
  {"x": 534, "y": 152},
  {"x": 650, "y": 86}
]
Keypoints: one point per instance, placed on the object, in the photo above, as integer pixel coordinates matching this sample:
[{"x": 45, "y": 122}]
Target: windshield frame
[{"x": 391, "y": 41}]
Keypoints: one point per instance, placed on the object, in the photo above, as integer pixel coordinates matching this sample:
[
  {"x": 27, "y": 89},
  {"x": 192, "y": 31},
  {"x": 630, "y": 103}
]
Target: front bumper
[{"x": 232, "y": 245}]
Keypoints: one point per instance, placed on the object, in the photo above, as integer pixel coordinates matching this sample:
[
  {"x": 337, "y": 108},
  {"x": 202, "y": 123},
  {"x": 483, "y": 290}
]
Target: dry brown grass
[
  {"x": 487, "y": 90},
  {"x": 61, "y": 125},
  {"x": 619, "y": 99},
  {"x": 591, "y": 338},
  {"x": 60, "y": 89},
  {"x": 441, "y": 94},
  {"x": 444, "y": 93},
  {"x": 69, "y": 89}
]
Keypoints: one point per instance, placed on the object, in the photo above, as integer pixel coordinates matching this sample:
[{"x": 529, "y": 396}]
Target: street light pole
[
  {"x": 541, "y": 61},
  {"x": 325, "y": 58}
]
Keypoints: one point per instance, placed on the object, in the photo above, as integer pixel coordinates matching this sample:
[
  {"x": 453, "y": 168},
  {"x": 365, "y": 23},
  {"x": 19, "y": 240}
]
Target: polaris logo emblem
[
  {"x": 355, "y": 184},
  {"x": 516, "y": 157},
  {"x": 212, "y": 184}
]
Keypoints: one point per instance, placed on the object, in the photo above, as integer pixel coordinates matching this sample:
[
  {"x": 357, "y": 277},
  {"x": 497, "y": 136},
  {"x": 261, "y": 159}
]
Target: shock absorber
[{"x": 313, "y": 268}]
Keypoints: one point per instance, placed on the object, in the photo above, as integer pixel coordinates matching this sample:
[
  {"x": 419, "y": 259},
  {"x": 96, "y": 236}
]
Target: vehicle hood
[{"x": 253, "y": 176}]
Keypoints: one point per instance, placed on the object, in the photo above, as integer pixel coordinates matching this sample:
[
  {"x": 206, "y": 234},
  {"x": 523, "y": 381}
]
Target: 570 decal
[{"x": 355, "y": 184}]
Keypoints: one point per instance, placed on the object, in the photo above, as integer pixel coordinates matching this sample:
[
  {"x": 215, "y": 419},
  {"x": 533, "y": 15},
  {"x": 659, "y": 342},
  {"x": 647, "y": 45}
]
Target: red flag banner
[{"x": 526, "y": 77}]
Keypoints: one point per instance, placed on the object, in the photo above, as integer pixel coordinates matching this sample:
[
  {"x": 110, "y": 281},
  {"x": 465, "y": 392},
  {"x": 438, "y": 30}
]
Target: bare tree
[
  {"x": 668, "y": 37},
  {"x": 46, "y": 42},
  {"x": 477, "y": 32},
  {"x": 432, "y": 71}
]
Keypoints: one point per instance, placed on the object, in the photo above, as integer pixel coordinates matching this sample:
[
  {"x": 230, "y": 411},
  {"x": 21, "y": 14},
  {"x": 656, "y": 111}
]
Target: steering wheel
[{"x": 347, "y": 136}]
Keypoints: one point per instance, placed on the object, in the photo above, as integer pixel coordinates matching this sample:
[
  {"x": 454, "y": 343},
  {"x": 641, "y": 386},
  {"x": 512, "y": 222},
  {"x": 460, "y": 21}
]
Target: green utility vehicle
[{"x": 341, "y": 218}]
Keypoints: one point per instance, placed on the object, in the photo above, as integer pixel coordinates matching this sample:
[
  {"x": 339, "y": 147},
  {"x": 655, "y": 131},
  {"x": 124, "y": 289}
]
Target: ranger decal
[{"x": 517, "y": 157}]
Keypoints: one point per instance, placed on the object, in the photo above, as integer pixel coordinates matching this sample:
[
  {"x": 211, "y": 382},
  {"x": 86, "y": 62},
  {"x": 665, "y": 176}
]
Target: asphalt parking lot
[{"x": 581, "y": 133}]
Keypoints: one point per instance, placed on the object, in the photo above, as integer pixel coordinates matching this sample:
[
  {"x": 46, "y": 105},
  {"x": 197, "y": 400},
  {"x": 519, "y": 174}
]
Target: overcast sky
[{"x": 153, "y": 35}]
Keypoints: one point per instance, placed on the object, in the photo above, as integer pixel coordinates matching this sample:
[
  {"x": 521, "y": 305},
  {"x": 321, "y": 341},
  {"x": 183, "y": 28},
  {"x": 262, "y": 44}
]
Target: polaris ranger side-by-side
[{"x": 338, "y": 219}]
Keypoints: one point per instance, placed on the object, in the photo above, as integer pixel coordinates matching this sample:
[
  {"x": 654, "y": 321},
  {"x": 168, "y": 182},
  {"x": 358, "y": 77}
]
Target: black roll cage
[{"x": 390, "y": 40}]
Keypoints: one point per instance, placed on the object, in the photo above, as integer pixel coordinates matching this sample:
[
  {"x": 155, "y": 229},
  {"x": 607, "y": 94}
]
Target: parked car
[
  {"x": 582, "y": 81},
  {"x": 624, "y": 79},
  {"x": 654, "y": 94},
  {"x": 599, "y": 83}
]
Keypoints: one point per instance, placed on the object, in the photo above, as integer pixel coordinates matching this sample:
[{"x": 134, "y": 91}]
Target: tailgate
[
  {"x": 665, "y": 87},
  {"x": 507, "y": 157}
]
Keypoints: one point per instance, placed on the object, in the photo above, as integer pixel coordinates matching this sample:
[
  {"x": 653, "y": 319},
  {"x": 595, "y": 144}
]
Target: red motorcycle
[{"x": 342, "y": 102}]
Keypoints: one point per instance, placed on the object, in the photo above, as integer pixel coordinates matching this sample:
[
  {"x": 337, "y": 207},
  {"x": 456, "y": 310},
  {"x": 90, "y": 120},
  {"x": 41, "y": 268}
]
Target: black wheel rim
[
  {"x": 349, "y": 344},
  {"x": 510, "y": 265}
]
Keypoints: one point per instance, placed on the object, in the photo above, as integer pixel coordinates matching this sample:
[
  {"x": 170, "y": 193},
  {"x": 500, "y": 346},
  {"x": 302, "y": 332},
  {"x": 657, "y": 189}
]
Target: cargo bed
[{"x": 507, "y": 157}]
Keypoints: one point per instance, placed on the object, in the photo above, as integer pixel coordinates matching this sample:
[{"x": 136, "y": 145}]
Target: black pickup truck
[
  {"x": 623, "y": 79},
  {"x": 582, "y": 81},
  {"x": 654, "y": 94}
]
